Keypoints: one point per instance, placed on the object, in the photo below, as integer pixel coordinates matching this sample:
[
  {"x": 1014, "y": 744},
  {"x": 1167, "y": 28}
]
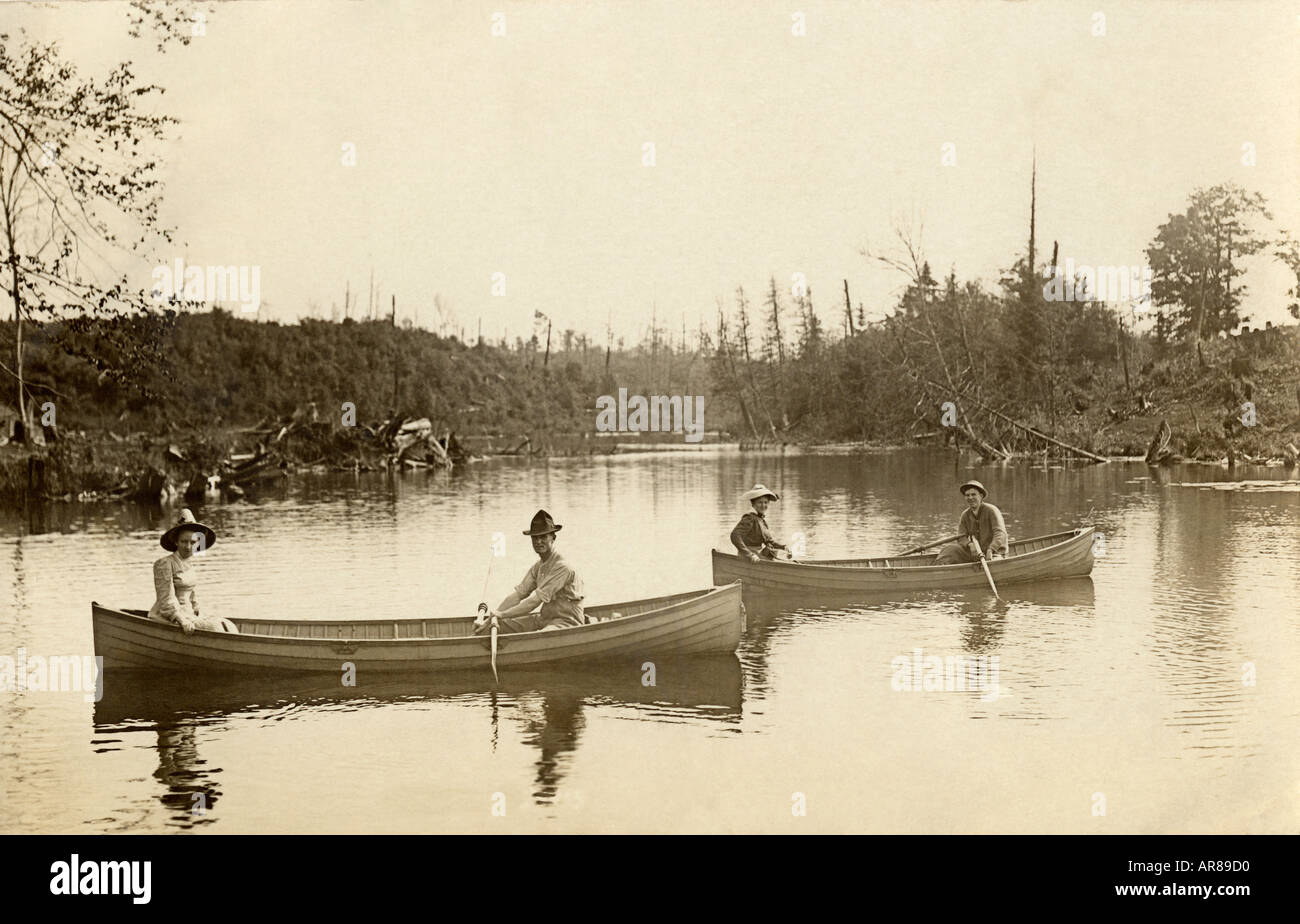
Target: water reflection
[
  {"x": 1198, "y": 585},
  {"x": 985, "y": 614},
  {"x": 191, "y": 792},
  {"x": 547, "y": 706},
  {"x": 553, "y": 727}
]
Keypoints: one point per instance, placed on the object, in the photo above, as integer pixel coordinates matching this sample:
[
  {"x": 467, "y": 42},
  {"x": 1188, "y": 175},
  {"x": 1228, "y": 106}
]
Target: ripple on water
[{"x": 1134, "y": 675}]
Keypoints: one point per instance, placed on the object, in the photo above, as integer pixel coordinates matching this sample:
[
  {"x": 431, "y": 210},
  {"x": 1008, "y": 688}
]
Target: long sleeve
[
  {"x": 166, "y": 605},
  {"x": 521, "y": 607},
  {"x": 743, "y": 533},
  {"x": 528, "y": 584},
  {"x": 998, "y": 537},
  {"x": 988, "y": 527}
]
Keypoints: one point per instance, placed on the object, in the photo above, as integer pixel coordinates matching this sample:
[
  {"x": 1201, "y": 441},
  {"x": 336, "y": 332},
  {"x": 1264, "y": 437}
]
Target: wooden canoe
[
  {"x": 697, "y": 622},
  {"x": 1059, "y": 555}
]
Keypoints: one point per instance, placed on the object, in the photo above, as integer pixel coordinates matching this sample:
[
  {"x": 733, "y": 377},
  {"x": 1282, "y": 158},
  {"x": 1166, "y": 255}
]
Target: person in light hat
[
  {"x": 550, "y": 583},
  {"x": 751, "y": 536},
  {"x": 174, "y": 577},
  {"x": 980, "y": 520}
]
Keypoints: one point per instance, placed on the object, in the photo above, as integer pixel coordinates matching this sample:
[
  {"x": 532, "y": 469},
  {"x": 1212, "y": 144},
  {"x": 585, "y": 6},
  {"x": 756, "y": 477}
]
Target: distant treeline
[
  {"x": 956, "y": 363},
  {"x": 950, "y": 360},
  {"x": 216, "y": 369},
  {"x": 769, "y": 373}
]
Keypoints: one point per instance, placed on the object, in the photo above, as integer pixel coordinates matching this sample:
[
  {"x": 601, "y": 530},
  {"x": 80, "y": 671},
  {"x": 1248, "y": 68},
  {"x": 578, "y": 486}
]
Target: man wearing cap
[
  {"x": 550, "y": 583},
  {"x": 751, "y": 536},
  {"x": 979, "y": 520}
]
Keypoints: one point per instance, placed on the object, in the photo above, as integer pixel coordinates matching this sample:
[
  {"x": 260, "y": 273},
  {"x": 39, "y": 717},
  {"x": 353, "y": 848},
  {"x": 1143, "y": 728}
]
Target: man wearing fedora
[
  {"x": 980, "y": 520},
  {"x": 550, "y": 583},
  {"x": 751, "y": 536}
]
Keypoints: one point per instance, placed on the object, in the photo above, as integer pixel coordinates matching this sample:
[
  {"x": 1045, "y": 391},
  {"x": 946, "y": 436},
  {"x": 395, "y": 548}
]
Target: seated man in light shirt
[
  {"x": 550, "y": 583},
  {"x": 980, "y": 521}
]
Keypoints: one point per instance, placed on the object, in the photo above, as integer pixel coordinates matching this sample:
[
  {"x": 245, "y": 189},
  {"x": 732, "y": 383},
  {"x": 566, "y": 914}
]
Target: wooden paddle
[
  {"x": 985, "y": 565},
  {"x": 922, "y": 548},
  {"x": 483, "y": 608}
]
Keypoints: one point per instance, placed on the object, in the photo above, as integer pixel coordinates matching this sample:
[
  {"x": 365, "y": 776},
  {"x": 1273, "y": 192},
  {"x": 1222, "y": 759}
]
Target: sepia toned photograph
[{"x": 650, "y": 418}]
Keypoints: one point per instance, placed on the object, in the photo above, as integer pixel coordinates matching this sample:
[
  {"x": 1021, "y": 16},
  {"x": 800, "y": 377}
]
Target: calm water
[{"x": 1128, "y": 685}]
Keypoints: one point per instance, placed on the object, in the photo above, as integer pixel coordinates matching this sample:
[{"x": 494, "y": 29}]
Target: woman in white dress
[{"x": 175, "y": 577}]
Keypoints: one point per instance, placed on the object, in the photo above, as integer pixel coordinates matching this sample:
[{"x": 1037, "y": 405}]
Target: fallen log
[
  {"x": 1030, "y": 430},
  {"x": 1043, "y": 436},
  {"x": 987, "y": 451}
]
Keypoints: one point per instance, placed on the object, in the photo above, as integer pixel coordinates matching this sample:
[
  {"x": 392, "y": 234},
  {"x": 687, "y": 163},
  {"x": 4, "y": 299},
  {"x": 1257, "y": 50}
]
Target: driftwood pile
[
  {"x": 301, "y": 441},
  {"x": 411, "y": 443}
]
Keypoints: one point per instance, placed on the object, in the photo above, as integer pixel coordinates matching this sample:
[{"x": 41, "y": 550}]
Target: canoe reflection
[
  {"x": 1069, "y": 591},
  {"x": 549, "y": 705},
  {"x": 770, "y": 614},
  {"x": 764, "y": 604}
]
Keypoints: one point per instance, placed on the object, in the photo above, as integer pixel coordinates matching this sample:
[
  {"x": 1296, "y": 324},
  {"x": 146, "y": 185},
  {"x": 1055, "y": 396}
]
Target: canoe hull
[
  {"x": 701, "y": 622},
  {"x": 1061, "y": 555}
]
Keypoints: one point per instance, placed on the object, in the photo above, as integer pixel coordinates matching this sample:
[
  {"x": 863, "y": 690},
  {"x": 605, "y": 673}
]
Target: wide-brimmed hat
[
  {"x": 184, "y": 522},
  {"x": 759, "y": 490},
  {"x": 542, "y": 525},
  {"x": 976, "y": 485}
]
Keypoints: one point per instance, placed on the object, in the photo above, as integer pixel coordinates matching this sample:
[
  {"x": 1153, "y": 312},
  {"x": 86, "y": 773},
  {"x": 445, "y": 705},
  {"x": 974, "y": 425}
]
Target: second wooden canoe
[
  {"x": 697, "y": 622},
  {"x": 1059, "y": 555}
]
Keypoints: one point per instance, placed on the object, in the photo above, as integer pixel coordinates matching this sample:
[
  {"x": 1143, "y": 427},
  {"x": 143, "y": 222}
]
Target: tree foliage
[
  {"x": 1196, "y": 256},
  {"x": 79, "y": 188}
]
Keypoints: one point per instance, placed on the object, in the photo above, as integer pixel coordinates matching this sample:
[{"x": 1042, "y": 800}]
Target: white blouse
[{"x": 174, "y": 580}]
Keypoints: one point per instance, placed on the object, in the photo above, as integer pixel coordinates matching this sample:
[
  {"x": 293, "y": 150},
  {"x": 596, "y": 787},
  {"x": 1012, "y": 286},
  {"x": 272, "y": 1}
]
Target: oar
[
  {"x": 483, "y": 608},
  {"x": 985, "y": 565},
  {"x": 492, "y": 622},
  {"x": 922, "y": 548}
]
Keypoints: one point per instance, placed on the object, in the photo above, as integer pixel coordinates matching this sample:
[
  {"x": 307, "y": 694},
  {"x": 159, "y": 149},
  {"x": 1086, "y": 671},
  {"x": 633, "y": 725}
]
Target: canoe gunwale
[
  {"x": 1063, "y": 537},
  {"x": 670, "y": 602},
  {"x": 1065, "y": 554},
  {"x": 857, "y": 564}
]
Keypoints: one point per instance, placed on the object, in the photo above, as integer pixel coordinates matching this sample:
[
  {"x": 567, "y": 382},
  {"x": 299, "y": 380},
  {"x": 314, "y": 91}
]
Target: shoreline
[{"x": 163, "y": 468}]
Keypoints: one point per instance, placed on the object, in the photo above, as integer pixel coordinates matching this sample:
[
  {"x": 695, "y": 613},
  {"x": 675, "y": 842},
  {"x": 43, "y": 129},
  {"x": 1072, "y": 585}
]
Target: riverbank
[
  {"x": 224, "y": 403},
  {"x": 153, "y": 468}
]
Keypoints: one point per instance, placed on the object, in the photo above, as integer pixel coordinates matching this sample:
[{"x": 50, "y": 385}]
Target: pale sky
[{"x": 775, "y": 153}]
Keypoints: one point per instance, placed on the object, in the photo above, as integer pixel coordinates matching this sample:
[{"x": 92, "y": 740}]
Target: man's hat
[
  {"x": 187, "y": 521},
  {"x": 542, "y": 525},
  {"x": 759, "y": 490},
  {"x": 976, "y": 485}
]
